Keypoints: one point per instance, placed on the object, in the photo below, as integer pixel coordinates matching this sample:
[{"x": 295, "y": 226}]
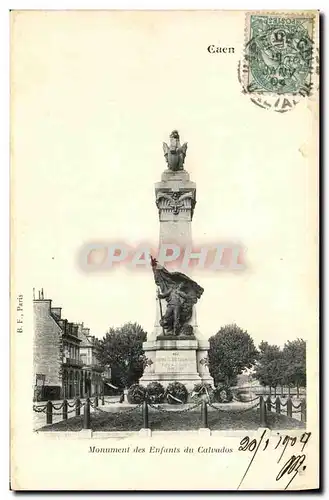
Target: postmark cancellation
[{"x": 279, "y": 56}]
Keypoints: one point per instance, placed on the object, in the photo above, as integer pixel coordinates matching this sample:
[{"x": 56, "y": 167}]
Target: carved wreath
[{"x": 175, "y": 200}]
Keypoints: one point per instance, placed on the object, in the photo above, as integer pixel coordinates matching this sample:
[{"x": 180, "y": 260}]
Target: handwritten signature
[{"x": 293, "y": 465}]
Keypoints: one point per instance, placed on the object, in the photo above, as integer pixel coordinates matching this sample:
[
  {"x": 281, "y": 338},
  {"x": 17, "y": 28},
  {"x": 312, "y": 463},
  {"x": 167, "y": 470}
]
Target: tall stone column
[
  {"x": 175, "y": 199},
  {"x": 175, "y": 358}
]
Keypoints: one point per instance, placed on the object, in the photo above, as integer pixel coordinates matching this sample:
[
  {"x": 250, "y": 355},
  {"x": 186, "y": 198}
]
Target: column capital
[{"x": 175, "y": 196}]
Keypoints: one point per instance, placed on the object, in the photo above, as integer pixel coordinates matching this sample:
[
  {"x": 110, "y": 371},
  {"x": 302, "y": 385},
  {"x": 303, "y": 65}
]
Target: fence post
[
  {"x": 145, "y": 415},
  {"x": 65, "y": 409},
  {"x": 289, "y": 407},
  {"x": 96, "y": 401},
  {"x": 262, "y": 408},
  {"x": 77, "y": 407},
  {"x": 103, "y": 400},
  {"x": 49, "y": 412},
  {"x": 303, "y": 410},
  {"x": 86, "y": 415},
  {"x": 204, "y": 414},
  {"x": 278, "y": 405},
  {"x": 268, "y": 404}
]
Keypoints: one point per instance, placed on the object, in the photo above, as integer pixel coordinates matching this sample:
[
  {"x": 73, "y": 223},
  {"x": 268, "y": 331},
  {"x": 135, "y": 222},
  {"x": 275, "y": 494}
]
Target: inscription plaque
[{"x": 176, "y": 361}]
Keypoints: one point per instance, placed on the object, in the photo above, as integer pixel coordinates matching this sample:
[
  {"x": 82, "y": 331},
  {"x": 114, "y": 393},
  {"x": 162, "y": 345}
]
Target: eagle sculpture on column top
[{"x": 175, "y": 153}]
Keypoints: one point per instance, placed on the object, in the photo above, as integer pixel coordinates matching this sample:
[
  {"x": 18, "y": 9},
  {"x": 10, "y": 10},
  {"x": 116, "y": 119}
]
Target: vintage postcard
[{"x": 164, "y": 250}]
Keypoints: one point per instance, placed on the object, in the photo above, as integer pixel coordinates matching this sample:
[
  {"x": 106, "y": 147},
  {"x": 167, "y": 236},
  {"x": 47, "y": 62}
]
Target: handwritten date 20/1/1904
[{"x": 295, "y": 463}]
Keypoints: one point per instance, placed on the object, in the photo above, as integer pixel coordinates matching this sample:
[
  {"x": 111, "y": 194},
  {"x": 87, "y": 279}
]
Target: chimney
[
  {"x": 42, "y": 296},
  {"x": 57, "y": 311},
  {"x": 33, "y": 293},
  {"x": 39, "y": 294}
]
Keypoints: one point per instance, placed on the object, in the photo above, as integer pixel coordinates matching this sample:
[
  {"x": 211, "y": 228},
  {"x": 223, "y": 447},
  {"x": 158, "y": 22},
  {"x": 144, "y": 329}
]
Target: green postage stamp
[{"x": 279, "y": 53}]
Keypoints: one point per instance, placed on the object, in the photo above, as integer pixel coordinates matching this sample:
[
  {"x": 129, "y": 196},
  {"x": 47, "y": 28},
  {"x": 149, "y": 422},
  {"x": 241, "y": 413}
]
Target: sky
[{"x": 94, "y": 97}]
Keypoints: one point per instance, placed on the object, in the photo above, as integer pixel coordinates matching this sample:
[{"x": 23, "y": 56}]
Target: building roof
[
  {"x": 87, "y": 340},
  {"x": 69, "y": 329}
]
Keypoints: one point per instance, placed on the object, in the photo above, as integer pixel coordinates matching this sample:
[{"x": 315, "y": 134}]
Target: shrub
[
  {"x": 155, "y": 392},
  {"x": 223, "y": 394},
  {"x": 176, "y": 390},
  {"x": 136, "y": 394},
  {"x": 201, "y": 390}
]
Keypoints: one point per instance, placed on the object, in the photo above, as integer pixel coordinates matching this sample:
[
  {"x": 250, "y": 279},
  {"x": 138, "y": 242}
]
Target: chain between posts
[
  {"x": 265, "y": 406},
  {"x": 248, "y": 401},
  {"x": 296, "y": 406},
  {"x": 72, "y": 405},
  {"x": 74, "y": 408},
  {"x": 59, "y": 407},
  {"x": 185, "y": 410},
  {"x": 68, "y": 411},
  {"x": 42, "y": 409},
  {"x": 130, "y": 410},
  {"x": 232, "y": 410}
]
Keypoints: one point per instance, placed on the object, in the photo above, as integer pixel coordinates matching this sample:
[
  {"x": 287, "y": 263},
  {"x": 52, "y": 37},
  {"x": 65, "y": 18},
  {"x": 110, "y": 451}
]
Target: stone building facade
[
  {"x": 47, "y": 351},
  {"x": 92, "y": 372},
  {"x": 65, "y": 363}
]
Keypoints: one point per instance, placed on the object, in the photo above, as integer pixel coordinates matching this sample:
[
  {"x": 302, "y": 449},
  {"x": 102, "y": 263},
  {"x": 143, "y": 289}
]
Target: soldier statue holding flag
[
  {"x": 181, "y": 293},
  {"x": 175, "y": 299}
]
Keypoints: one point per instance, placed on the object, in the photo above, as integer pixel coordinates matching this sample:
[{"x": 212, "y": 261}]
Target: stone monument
[{"x": 176, "y": 349}]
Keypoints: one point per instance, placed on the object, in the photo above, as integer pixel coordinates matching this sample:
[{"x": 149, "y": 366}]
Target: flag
[{"x": 166, "y": 279}]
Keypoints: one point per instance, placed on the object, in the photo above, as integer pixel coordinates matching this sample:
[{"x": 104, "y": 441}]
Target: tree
[
  {"x": 285, "y": 366},
  {"x": 122, "y": 349},
  {"x": 231, "y": 351},
  {"x": 294, "y": 354},
  {"x": 270, "y": 366}
]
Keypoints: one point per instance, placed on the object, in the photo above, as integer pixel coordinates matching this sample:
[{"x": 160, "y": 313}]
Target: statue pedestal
[
  {"x": 176, "y": 361},
  {"x": 172, "y": 359}
]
